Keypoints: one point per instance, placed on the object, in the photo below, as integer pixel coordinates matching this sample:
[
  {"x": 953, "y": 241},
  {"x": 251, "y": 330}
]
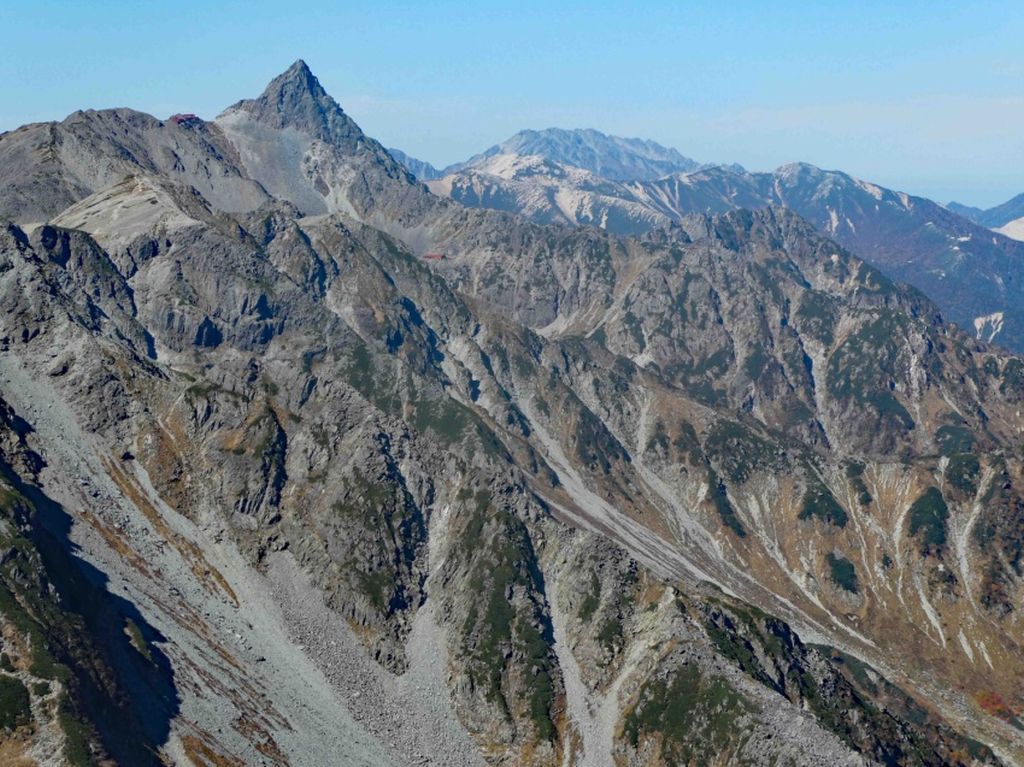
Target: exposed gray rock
[{"x": 602, "y": 481}]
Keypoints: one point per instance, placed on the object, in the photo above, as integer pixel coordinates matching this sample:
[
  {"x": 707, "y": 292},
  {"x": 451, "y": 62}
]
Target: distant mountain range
[
  {"x": 612, "y": 157},
  {"x": 1007, "y": 218},
  {"x": 422, "y": 170},
  {"x": 630, "y": 186}
]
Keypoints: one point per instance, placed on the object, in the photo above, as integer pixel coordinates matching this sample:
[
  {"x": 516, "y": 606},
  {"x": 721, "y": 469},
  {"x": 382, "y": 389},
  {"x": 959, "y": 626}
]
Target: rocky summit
[{"x": 304, "y": 464}]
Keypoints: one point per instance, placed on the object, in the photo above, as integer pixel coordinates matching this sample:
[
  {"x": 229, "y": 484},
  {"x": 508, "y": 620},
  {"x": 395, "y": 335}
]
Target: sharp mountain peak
[
  {"x": 298, "y": 78},
  {"x": 295, "y": 98}
]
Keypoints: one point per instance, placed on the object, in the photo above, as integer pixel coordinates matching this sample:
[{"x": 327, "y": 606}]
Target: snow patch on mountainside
[{"x": 988, "y": 326}]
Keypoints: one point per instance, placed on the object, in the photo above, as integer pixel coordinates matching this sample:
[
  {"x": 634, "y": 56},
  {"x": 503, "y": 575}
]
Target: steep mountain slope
[
  {"x": 723, "y": 494},
  {"x": 82, "y": 674},
  {"x": 975, "y": 275}
]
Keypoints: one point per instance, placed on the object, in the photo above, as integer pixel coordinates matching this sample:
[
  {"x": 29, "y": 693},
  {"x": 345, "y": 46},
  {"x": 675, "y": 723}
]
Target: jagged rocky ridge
[
  {"x": 611, "y": 157},
  {"x": 724, "y": 494},
  {"x": 972, "y": 273}
]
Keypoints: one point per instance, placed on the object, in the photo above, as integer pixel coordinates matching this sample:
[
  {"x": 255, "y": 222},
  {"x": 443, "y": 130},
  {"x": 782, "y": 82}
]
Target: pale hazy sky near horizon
[{"x": 924, "y": 97}]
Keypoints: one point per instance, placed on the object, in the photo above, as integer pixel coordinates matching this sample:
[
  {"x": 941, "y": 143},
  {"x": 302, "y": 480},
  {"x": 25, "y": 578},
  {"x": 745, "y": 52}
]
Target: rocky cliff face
[{"x": 723, "y": 494}]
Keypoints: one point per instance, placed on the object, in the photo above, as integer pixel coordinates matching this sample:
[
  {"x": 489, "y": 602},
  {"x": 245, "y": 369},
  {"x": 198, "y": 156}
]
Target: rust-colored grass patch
[
  {"x": 116, "y": 542},
  {"x": 15, "y": 645},
  {"x": 994, "y": 704},
  {"x": 261, "y": 740},
  {"x": 366, "y": 634},
  {"x": 14, "y": 748},
  {"x": 233, "y": 439},
  {"x": 652, "y": 592},
  {"x": 202, "y": 754},
  {"x": 201, "y": 568}
]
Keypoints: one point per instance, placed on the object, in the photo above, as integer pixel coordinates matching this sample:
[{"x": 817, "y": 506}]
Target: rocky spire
[{"x": 296, "y": 99}]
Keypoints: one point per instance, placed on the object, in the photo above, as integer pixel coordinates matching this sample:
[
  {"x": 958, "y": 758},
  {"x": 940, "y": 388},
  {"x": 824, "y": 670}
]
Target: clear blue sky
[{"x": 926, "y": 97}]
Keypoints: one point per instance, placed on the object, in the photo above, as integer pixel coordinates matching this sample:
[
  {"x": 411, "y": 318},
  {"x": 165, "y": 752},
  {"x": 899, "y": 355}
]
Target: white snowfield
[{"x": 988, "y": 326}]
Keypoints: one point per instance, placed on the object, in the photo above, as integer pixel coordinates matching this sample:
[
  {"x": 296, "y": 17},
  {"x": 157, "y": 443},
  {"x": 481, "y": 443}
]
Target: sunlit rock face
[{"x": 302, "y": 463}]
